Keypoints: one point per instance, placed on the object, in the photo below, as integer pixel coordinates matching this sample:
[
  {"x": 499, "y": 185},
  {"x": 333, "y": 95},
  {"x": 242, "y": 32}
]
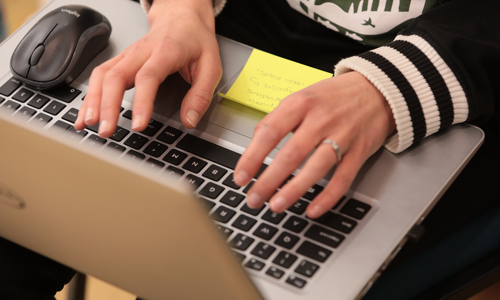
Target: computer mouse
[{"x": 59, "y": 46}]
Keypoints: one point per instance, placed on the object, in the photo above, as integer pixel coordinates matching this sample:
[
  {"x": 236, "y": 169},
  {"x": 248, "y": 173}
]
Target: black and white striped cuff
[
  {"x": 421, "y": 89},
  {"x": 218, "y": 5}
]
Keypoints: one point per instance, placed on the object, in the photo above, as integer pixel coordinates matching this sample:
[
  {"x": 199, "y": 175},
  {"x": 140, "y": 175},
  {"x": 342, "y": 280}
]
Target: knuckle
[
  {"x": 114, "y": 75},
  {"x": 202, "y": 98}
]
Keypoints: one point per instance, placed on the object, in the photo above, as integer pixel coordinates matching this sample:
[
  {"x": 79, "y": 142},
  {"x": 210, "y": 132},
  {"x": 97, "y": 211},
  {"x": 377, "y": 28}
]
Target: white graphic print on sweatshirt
[{"x": 371, "y": 22}]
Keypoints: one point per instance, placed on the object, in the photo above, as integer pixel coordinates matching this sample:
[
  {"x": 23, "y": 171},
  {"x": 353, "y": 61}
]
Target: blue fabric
[{"x": 475, "y": 241}]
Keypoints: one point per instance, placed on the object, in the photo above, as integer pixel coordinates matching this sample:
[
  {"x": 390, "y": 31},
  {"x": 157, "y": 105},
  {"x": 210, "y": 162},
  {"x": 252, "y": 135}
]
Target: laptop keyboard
[{"x": 287, "y": 247}]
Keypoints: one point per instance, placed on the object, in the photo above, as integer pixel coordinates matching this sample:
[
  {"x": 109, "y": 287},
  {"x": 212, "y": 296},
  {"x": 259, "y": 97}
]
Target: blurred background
[{"x": 13, "y": 13}]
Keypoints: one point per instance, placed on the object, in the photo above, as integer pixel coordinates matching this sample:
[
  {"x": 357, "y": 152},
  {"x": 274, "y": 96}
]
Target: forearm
[{"x": 439, "y": 71}]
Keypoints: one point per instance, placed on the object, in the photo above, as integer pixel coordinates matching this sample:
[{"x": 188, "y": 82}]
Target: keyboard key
[
  {"x": 64, "y": 93},
  {"x": 342, "y": 224},
  {"x": 208, "y": 150},
  {"x": 60, "y": 125},
  {"x": 244, "y": 223},
  {"x": 265, "y": 231},
  {"x": 356, "y": 209},
  {"x": 153, "y": 163},
  {"x": 94, "y": 128},
  {"x": 255, "y": 264},
  {"x": 285, "y": 259},
  {"x": 211, "y": 190},
  {"x": 118, "y": 149},
  {"x": 273, "y": 217},
  {"x": 314, "y": 251},
  {"x": 95, "y": 141},
  {"x": 223, "y": 214},
  {"x": 10, "y": 106},
  {"x": 23, "y": 95},
  {"x": 119, "y": 134},
  {"x": 324, "y": 236},
  {"x": 171, "y": 170},
  {"x": 232, "y": 198},
  {"x": 25, "y": 112},
  {"x": 10, "y": 86},
  {"x": 226, "y": 232},
  {"x": 295, "y": 224},
  {"x": 325, "y": 218},
  {"x": 194, "y": 181},
  {"x": 313, "y": 191},
  {"x": 208, "y": 205},
  {"x": 136, "y": 141},
  {"x": 214, "y": 172},
  {"x": 252, "y": 211},
  {"x": 128, "y": 114},
  {"x": 38, "y": 101},
  {"x": 71, "y": 115},
  {"x": 296, "y": 281},
  {"x": 175, "y": 157},
  {"x": 299, "y": 207},
  {"x": 194, "y": 165},
  {"x": 229, "y": 181},
  {"x": 155, "y": 149},
  {"x": 249, "y": 185},
  {"x": 54, "y": 107},
  {"x": 239, "y": 256},
  {"x": 307, "y": 268},
  {"x": 241, "y": 242},
  {"x": 41, "y": 119},
  {"x": 2, "y": 99},
  {"x": 169, "y": 135},
  {"x": 263, "y": 250},
  {"x": 152, "y": 128},
  {"x": 76, "y": 135},
  {"x": 286, "y": 240},
  {"x": 275, "y": 272},
  {"x": 135, "y": 156}
]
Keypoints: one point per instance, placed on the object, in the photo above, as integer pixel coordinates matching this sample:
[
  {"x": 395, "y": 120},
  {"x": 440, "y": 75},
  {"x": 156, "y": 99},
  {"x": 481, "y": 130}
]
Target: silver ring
[{"x": 335, "y": 147}]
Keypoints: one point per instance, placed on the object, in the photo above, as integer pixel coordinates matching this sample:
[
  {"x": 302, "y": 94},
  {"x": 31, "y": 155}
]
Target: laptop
[{"x": 164, "y": 220}]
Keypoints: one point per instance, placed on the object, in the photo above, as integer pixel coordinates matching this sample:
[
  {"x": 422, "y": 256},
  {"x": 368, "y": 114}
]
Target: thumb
[{"x": 199, "y": 96}]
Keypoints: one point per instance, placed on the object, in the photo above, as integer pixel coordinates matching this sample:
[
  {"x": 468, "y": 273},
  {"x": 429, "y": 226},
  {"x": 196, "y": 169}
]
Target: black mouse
[{"x": 59, "y": 46}]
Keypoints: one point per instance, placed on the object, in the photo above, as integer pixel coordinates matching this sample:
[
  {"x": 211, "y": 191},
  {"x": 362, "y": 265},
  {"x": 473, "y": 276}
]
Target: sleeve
[
  {"x": 218, "y": 5},
  {"x": 441, "y": 70}
]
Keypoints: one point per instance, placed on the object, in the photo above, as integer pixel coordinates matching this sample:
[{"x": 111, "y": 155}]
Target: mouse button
[
  {"x": 37, "y": 54},
  {"x": 52, "y": 63},
  {"x": 20, "y": 60}
]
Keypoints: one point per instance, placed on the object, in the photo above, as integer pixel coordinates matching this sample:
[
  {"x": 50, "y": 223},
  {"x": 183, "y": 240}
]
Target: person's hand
[
  {"x": 181, "y": 38},
  {"x": 347, "y": 109}
]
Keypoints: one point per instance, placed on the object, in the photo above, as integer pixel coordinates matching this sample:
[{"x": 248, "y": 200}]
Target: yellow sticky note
[{"x": 266, "y": 79}]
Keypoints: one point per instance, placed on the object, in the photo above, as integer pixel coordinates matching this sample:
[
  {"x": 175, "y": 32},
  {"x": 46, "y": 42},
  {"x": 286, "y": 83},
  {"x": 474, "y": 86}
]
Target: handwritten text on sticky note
[{"x": 266, "y": 79}]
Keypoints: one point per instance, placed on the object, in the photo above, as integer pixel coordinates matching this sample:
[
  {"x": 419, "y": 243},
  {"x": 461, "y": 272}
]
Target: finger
[
  {"x": 286, "y": 161},
  {"x": 268, "y": 133},
  {"x": 319, "y": 163},
  {"x": 115, "y": 82},
  {"x": 89, "y": 111},
  {"x": 338, "y": 185},
  {"x": 206, "y": 76}
]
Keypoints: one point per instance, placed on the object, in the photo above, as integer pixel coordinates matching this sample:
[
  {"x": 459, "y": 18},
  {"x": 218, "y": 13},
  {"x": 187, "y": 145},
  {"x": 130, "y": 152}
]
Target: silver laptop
[{"x": 129, "y": 215}]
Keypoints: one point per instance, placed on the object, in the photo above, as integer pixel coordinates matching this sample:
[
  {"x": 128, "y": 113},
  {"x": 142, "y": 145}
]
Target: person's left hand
[{"x": 347, "y": 109}]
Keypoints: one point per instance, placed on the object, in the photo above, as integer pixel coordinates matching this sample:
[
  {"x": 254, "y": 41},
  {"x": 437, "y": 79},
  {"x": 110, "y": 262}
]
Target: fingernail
[
  {"x": 89, "y": 115},
  {"x": 193, "y": 117},
  {"x": 241, "y": 178},
  {"x": 316, "y": 211},
  {"x": 253, "y": 200},
  {"x": 278, "y": 204},
  {"x": 103, "y": 127},
  {"x": 136, "y": 122}
]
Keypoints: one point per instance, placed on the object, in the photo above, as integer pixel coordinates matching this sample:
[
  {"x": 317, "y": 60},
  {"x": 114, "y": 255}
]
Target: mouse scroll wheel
[{"x": 37, "y": 54}]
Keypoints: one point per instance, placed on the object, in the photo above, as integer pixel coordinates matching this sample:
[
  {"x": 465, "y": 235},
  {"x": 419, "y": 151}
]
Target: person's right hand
[{"x": 181, "y": 38}]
